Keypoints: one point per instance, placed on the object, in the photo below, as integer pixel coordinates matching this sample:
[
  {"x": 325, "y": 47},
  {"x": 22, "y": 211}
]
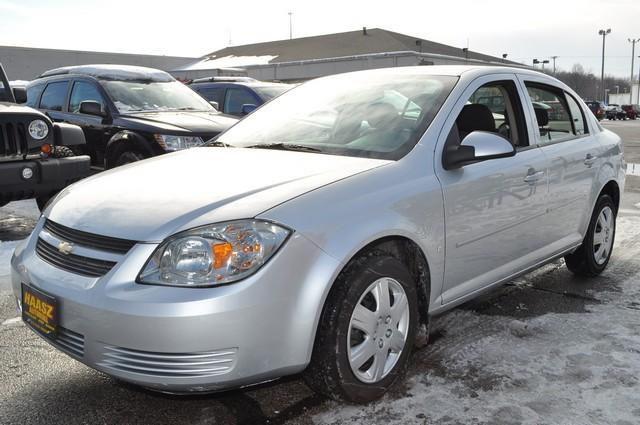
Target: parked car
[
  {"x": 615, "y": 112},
  {"x": 237, "y": 95},
  {"x": 597, "y": 108},
  {"x": 632, "y": 111},
  {"x": 321, "y": 232},
  {"x": 35, "y": 158},
  {"x": 127, "y": 113}
]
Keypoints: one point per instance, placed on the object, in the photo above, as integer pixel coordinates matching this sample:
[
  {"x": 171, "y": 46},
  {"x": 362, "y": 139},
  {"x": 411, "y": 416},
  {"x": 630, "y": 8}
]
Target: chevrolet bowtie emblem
[{"x": 65, "y": 247}]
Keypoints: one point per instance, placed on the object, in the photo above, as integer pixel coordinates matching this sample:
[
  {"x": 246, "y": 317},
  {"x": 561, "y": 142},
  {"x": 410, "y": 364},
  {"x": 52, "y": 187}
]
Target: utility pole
[
  {"x": 633, "y": 42},
  {"x": 604, "y": 35},
  {"x": 554, "y": 64},
  {"x": 290, "y": 26}
]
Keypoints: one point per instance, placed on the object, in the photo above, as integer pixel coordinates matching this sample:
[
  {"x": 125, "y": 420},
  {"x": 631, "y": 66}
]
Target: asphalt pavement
[{"x": 537, "y": 323}]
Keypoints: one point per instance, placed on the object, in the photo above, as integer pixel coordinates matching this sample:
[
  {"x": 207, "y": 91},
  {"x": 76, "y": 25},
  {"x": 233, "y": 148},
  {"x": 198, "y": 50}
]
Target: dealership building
[
  {"x": 303, "y": 58},
  {"x": 26, "y": 63}
]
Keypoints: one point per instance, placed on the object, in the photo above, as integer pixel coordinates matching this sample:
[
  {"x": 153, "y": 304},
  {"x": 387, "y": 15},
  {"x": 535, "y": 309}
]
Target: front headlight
[
  {"x": 38, "y": 129},
  {"x": 176, "y": 143},
  {"x": 213, "y": 255}
]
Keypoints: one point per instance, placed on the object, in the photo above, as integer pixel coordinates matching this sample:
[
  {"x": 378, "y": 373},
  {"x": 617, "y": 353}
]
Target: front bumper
[
  {"x": 187, "y": 339},
  {"x": 48, "y": 176}
]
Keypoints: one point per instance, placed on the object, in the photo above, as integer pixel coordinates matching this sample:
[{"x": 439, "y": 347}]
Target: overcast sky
[{"x": 523, "y": 29}]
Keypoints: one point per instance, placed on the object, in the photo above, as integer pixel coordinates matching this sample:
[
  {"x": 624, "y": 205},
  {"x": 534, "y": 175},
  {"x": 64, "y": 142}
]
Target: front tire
[
  {"x": 592, "y": 257},
  {"x": 128, "y": 157},
  {"x": 366, "y": 330}
]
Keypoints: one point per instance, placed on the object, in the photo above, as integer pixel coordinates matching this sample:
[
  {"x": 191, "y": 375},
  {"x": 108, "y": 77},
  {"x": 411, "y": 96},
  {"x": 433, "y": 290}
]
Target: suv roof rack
[{"x": 229, "y": 79}]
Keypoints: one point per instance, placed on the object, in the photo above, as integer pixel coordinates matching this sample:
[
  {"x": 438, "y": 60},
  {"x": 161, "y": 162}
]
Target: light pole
[
  {"x": 504, "y": 57},
  {"x": 543, "y": 62},
  {"x": 290, "y": 26},
  {"x": 554, "y": 64},
  {"x": 606, "y": 94},
  {"x": 633, "y": 42},
  {"x": 604, "y": 35},
  {"x": 535, "y": 62},
  {"x": 638, "y": 102}
]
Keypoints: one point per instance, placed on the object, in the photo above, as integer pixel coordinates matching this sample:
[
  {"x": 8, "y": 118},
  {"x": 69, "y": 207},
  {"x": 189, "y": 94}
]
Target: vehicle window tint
[
  {"x": 579, "y": 122},
  {"x": 235, "y": 98},
  {"x": 83, "y": 91},
  {"x": 496, "y": 108},
  {"x": 33, "y": 94},
  {"x": 53, "y": 96},
  {"x": 552, "y": 114},
  {"x": 214, "y": 94}
]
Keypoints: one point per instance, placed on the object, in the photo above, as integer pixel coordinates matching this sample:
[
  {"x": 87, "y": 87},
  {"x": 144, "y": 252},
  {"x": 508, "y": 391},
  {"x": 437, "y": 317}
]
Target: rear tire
[
  {"x": 592, "y": 257},
  {"x": 365, "y": 337}
]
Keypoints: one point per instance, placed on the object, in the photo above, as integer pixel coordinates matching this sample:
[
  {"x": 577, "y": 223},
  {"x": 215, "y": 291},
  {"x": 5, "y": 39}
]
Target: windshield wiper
[{"x": 284, "y": 147}]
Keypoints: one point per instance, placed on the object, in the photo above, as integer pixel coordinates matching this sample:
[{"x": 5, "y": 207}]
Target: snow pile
[{"x": 576, "y": 368}]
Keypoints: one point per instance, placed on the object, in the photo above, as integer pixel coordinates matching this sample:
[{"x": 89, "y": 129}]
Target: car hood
[
  {"x": 181, "y": 121},
  {"x": 152, "y": 199}
]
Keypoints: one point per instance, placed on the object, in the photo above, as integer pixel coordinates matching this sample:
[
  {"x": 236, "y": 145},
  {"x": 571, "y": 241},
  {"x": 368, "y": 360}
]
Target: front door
[{"x": 494, "y": 209}]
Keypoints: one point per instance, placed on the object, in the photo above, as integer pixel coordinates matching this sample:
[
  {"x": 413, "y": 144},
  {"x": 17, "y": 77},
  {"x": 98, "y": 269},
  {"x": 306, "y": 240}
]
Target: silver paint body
[{"x": 478, "y": 226}]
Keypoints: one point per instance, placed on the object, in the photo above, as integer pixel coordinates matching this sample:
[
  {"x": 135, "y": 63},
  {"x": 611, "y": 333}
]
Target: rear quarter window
[{"x": 33, "y": 94}]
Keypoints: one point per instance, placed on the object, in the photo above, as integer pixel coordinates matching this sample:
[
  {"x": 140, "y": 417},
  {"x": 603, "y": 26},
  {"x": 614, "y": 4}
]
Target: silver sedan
[{"x": 321, "y": 233}]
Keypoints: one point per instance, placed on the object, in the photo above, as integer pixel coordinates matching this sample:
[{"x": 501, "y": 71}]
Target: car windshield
[
  {"x": 269, "y": 92},
  {"x": 375, "y": 115},
  {"x": 135, "y": 96}
]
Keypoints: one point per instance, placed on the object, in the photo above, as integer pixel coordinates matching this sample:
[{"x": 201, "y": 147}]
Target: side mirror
[
  {"x": 214, "y": 104},
  {"x": 248, "y": 108},
  {"x": 20, "y": 93},
  {"x": 478, "y": 146},
  {"x": 90, "y": 107}
]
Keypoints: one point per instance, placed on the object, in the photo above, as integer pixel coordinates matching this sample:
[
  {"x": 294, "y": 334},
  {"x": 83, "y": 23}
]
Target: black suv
[
  {"x": 237, "y": 95},
  {"x": 35, "y": 158},
  {"x": 127, "y": 113}
]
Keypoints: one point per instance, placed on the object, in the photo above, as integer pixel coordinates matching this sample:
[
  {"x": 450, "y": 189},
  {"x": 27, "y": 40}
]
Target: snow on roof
[
  {"x": 113, "y": 72},
  {"x": 231, "y": 61}
]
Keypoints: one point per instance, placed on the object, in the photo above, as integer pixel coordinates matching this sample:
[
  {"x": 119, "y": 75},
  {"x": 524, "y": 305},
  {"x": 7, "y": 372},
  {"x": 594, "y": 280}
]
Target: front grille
[
  {"x": 13, "y": 139},
  {"x": 73, "y": 263},
  {"x": 89, "y": 240},
  {"x": 70, "y": 342},
  {"x": 169, "y": 365}
]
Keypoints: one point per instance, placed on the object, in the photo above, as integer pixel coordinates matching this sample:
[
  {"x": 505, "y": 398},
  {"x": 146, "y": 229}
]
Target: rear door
[
  {"x": 562, "y": 132},
  {"x": 494, "y": 209}
]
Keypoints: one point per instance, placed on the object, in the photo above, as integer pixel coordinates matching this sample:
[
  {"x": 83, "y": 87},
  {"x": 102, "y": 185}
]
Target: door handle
[
  {"x": 531, "y": 178},
  {"x": 589, "y": 160}
]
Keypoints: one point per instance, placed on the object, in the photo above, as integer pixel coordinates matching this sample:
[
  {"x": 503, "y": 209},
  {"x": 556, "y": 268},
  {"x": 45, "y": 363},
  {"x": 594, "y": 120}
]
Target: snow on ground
[
  {"x": 571, "y": 368},
  {"x": 26, "y": 208}
]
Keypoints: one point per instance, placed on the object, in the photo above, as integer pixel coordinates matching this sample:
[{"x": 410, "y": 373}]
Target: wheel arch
[
  {"x": 128, "y": 140},
  {"x": 612, "y": 189},
  {"x": 410, "y": 254}
]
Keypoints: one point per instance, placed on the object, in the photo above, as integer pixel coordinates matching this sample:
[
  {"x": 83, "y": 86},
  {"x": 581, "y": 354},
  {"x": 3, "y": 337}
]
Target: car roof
[{"x": 112, "y": 72}]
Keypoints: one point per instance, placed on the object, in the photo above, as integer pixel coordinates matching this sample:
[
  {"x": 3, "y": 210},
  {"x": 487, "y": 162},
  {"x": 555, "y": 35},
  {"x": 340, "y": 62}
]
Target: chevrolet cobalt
[{"x": 320, "y": 233}]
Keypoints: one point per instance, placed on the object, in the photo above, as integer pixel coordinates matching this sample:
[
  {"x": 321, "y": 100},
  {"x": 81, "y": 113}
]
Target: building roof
[{"x": 350, "y": 43}]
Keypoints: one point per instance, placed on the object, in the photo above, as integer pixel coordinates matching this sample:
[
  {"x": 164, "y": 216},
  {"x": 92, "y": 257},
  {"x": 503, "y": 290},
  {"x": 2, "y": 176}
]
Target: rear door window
[
  {"x": 212, "y": 94},
  {"x": 553, "y": 118},
  {"x": 54, "y": 96}
]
